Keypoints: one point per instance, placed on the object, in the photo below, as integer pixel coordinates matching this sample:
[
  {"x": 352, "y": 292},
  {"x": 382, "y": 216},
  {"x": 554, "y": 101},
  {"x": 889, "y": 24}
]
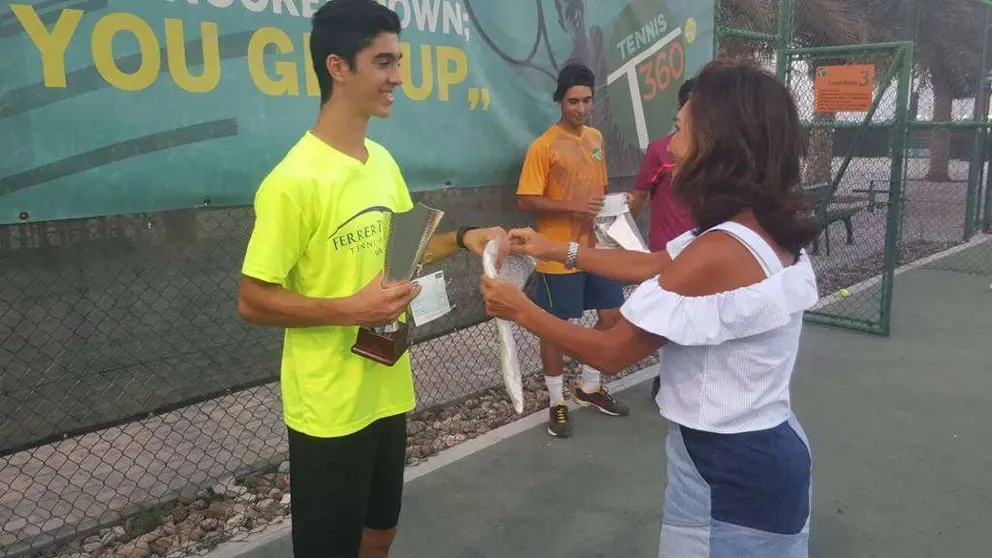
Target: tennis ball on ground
[{"x": 845, "y": 293}]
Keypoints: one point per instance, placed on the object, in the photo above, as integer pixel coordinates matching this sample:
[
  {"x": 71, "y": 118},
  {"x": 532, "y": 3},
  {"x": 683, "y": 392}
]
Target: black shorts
[{"x": 341, "y": 486}]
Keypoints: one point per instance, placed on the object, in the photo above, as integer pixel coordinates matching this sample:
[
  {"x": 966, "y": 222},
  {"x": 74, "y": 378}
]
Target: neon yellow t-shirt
[{"x": 319, "y": 232}]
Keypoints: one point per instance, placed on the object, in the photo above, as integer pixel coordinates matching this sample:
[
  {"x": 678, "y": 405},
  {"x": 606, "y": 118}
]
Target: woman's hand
[
  {"x": 503, "y": 299},
  {"x": 532, "y": 243}
]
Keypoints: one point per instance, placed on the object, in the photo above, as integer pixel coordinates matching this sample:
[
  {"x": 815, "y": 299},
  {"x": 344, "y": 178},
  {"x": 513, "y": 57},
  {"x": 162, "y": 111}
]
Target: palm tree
[
  {"x": 816, "y": 23},
  {"x": 947, "y": 54},
  {"x": 948, "y": 36}
]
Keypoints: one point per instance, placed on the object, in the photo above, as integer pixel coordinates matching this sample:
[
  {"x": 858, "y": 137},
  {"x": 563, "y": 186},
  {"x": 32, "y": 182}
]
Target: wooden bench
[{"x": 827, "y": 212}]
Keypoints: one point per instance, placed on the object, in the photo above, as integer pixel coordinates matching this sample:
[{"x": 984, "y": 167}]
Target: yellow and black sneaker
[
  {"x": 602, "y": 400},
  {"x": 558, "y": 424}
]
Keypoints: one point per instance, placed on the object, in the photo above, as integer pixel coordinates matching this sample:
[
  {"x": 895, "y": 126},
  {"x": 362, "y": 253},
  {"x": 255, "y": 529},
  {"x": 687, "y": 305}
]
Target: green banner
[{"x": 111, "y": 107}]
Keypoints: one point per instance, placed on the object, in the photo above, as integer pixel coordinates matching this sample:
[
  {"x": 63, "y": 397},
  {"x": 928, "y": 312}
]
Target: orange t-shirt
[{"x": 562, "y": 166}]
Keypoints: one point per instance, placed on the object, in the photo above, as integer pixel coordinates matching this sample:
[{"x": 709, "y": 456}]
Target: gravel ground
[{"x": 238, "y": 506}]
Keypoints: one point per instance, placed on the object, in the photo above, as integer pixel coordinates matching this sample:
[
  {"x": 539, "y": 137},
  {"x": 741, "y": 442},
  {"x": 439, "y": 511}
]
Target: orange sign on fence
[{"x": 844, "y": 88}]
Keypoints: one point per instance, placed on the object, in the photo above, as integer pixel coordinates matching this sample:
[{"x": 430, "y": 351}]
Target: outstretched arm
[
  {"x": 440, "y": 246},
  {"x": 715, "y": 263},
  {"x": 624, "y": 266},
  {"x": 610, "y": 351},
  {"x": 444, "y": 245}
]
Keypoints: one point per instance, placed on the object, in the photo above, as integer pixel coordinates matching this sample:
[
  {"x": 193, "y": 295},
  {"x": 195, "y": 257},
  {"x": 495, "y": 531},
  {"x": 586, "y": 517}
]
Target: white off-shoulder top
[{"x": 729, "y": 359}]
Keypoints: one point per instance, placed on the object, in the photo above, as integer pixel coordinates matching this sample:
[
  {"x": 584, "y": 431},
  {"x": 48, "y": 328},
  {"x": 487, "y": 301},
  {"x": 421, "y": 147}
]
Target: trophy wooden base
[{"x": 384, "y": 348}]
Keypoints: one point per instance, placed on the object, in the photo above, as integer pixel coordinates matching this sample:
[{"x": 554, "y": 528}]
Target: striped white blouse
[{"x": 729, "y": 359}]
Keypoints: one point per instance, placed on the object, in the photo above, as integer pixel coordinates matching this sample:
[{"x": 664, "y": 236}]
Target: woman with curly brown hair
[{"x": 724, "y": 306}]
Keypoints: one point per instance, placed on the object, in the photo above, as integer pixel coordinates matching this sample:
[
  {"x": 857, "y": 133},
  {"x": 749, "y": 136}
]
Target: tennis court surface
[{"x": 900, "y": 427}]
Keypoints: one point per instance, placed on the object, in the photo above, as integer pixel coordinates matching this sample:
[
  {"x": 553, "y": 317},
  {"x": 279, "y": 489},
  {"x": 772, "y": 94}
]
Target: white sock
[
  {"x": 590, "y": 379},
  {"x": 555, "y": 391}
]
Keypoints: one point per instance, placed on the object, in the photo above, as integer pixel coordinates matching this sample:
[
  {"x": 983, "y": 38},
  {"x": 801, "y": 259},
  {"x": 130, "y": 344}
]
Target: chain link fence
[
  {"x": 914, "y": 170},
  {"x": 946, "y": 214},
  {"x": 940, "y": 209},
  {"x": 140, "y": 416},
  {"x": 849, "y": 168}
]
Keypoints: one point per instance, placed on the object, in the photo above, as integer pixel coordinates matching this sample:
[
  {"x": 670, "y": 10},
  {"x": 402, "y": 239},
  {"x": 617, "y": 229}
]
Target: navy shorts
[{"x": 568, "y": 296}]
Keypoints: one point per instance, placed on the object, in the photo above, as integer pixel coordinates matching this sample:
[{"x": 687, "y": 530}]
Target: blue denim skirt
[{"x": 741, "y": 495}]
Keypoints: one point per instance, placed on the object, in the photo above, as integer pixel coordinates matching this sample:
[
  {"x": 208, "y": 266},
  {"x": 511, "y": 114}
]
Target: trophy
[{"x": 406, "y": 236}]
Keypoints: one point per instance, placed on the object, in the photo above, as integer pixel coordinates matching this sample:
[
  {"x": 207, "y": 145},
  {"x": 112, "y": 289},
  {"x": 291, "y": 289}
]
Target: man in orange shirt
[{"x": 563, "y": 183}]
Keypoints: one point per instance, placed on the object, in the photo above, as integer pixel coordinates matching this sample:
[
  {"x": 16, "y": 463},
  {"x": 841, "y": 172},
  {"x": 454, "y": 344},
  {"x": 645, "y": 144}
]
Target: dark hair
[
  {"x": 572, "y": 75},
  {"x": 745, "y": 150},
  {"x": 685, "y": 91},
  {"x": 344, "y": 28}
]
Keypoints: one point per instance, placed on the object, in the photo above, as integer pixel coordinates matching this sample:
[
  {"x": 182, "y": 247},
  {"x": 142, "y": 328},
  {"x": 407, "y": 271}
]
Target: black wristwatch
[{"x": 460, "y": 236}]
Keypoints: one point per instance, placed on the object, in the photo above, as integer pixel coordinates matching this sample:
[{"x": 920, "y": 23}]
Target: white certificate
[
  {"x": 432, "y": 302},
  {"x": 624, "y": 232},
  {"x": 613, "y": 205}
]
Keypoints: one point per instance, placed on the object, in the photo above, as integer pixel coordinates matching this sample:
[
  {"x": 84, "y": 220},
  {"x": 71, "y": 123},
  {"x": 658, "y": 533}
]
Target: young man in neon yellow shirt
[{"x": 313, "y": 266}]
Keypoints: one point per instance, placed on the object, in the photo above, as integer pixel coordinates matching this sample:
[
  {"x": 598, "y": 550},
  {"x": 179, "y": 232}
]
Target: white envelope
[
  {"x": 613, "y": 205},
  {"x": 625, "y": 233}
]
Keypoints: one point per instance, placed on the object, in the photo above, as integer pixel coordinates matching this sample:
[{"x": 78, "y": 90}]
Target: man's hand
[
  {"x": 476, "y": 239},
  {"x": 585, "y": 208},
  {"x": 588, "y": 207},
  {"x": 381, "y": 303},
  {"x": 635, "y": 200},
  {"x": 532, "y": 243}
]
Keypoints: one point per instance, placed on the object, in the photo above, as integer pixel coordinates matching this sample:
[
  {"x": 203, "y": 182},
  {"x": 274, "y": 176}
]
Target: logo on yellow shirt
[
  {"x": 358, "y": 235},
  {"x": 597, "y": 154}
]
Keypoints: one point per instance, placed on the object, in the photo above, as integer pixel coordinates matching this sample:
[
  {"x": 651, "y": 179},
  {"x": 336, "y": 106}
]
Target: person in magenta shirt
[{"x": 669, "y": 217}]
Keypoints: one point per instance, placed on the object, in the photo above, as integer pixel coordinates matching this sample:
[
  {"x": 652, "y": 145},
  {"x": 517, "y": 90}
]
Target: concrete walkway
[{"x": 900, "y": 428}]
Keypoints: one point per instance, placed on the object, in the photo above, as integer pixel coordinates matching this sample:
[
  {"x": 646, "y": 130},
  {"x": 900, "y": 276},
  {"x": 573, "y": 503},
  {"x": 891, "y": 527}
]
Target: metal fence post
[
  {"x": 717, "y": 28},
  {"x": 987, "y": 219},
  {"x": 971, "y": 212},
  {"x": 896, "y": 176},
  {"x": 786, "y": 13}
]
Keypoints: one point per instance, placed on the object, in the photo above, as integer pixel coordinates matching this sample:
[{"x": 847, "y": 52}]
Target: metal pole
[
  {"x": 717, "y": 29},
  {"x": 897, "y": 174},
  {"x": 912, "y": 16},
  {"x": 786, "y": 12},
  {"x": 846, "y": 50},
  {"x": 753, "y": 36},
  {"x": 983, "y": 213},
  {"x": 987, "y": 220},
  {"x": 977, "y": 158},
  {"x": 986, "y": 224}
]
